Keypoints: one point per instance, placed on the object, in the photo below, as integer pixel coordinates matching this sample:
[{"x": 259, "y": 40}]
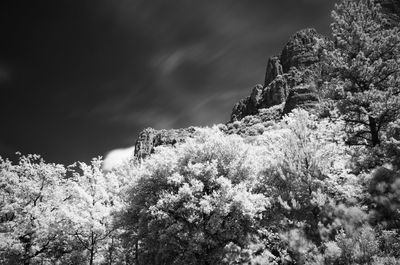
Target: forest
[{"x": 317, "y": 185}]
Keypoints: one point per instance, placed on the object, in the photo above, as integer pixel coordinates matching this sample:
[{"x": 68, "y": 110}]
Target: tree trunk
[
  {"x": 110, "y": 252},
  {"x": 91, "y": 249},
  {"x": 27, "y": 249},
  {"x": 374, "y": 131},
  {"x": 91, "y": 256},
  {"x": 137, "y": 252}
]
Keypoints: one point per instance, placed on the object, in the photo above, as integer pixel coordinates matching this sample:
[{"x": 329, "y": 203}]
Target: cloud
[{"x": 117, "y": 157}]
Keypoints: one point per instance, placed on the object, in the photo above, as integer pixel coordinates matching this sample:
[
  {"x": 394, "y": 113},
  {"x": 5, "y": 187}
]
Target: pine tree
[{"x": 366, "y": 59}]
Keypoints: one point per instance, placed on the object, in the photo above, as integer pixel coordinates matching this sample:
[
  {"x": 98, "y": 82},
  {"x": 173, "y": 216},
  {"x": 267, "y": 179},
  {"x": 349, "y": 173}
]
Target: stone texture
[
  {"x": 274, "y": 69},
  {"x": 249, "y": 105},
  {"x": 303, "y": 96},
  {"x": 150, "y": 138},
  {"x": 300, "y": 51},
  {"x": 275, "y": 93},
  {"x": 299, "y": 63}
]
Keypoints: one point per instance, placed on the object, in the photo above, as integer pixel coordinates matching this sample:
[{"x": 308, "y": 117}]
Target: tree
[
  {"x": 31, "y": 193},
  {"x": 308, "y": 170},
  {"x": 50, "y": 214},
  {"x": 366, "y": 60},
  {"x": 193, "y": 201},
  {"x": 93, "y": 200}
]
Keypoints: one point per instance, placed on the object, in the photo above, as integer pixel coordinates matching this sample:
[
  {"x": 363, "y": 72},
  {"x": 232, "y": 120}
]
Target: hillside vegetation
[{"x": 307, "y": 171}]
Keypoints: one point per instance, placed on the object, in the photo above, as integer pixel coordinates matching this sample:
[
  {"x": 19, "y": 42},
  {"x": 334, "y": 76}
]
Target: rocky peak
[
  {"x": 297, "y": 64},
  {"x": 249, "y": 105},
  {"x": 274, "y": 69},
  {"x": 300, "y": 51}
]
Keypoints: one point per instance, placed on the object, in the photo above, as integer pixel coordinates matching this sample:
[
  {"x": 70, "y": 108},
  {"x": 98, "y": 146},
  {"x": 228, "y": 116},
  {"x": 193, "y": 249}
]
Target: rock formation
[
  {"x": 300, "y": 51},
  {"x": 150, "y": 138},
  {"x": 304, "y": 96},
  {"x": 298, "y": 63},
  {"x": 249, "y": 105},
  {"x": 274, "y": 69}
]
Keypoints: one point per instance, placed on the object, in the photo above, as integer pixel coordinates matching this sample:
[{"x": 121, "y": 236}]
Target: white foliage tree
[
  {"x": 31, "y": 226},
  {"x": 93, "y": 199},
  {"x": 366, "y": 60}
]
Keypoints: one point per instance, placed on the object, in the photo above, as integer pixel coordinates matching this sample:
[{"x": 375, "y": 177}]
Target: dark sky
[{"x": 81, "y": 77}]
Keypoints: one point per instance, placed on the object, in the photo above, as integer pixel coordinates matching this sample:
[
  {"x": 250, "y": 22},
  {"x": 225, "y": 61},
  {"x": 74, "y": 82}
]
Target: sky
[{"x": 79, "y": 78}]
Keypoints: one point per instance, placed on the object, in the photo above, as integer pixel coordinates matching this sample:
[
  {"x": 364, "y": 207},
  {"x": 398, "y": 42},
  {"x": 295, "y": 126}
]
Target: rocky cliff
[{"x": 289, "y": 78}]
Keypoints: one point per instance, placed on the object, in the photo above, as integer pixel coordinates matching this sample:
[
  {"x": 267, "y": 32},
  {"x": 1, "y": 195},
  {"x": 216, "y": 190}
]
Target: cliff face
[{"x": 289, "y": 77}]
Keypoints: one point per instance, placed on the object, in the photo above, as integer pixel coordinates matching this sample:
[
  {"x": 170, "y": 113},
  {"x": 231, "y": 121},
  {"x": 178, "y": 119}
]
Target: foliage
[
  {"x": 310, "y": 156},
  {"x": 31, "y": 225},
  {"x": 93, "y": 198},
  {"x": 287, "y": 196},
  {"x": 254, "y": 125},
  {"x": 52, "y": 214},
  {"x": 193, "y": 200}
]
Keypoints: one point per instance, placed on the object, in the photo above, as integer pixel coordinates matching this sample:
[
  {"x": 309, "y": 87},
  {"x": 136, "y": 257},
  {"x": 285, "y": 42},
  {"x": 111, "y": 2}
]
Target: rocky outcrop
[
  {"x": 275, "y": 93},
  {"x": 274, "y": 69},
  {"x": 298, "y": 63},
  {"x": 249, "y": 105},
  {"x": 300, "y": 51},
  {"x": 150, "y": 138},
  {"x": 263, "y": 97}
]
